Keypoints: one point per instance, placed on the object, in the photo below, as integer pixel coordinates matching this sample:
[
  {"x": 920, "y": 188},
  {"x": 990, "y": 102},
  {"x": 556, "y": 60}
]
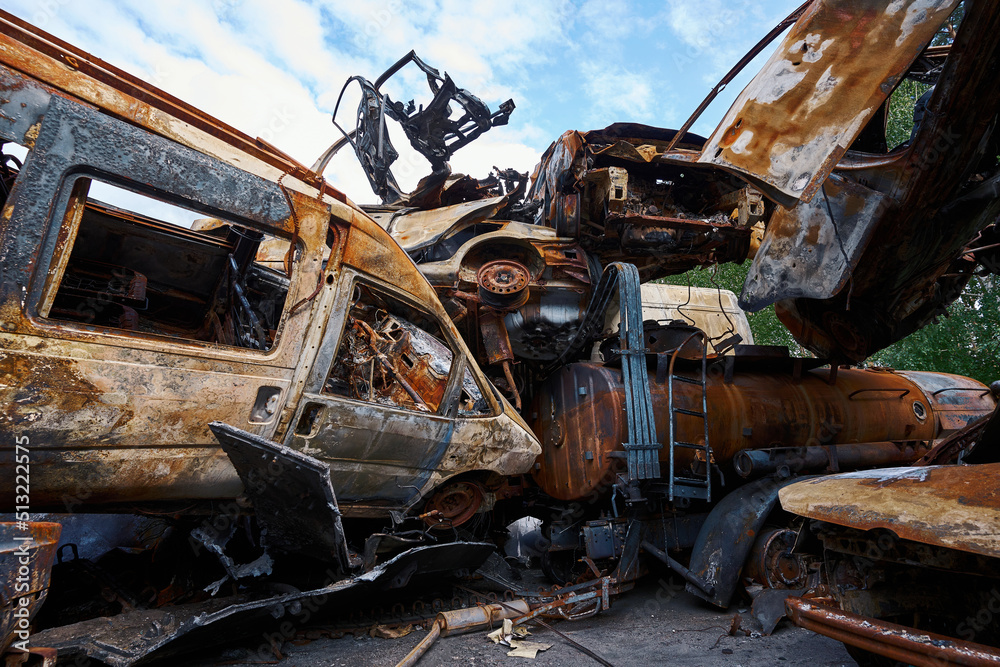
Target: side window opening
[
  {"x": 395, "y": 354},
  {"x": 159, "y": 269}
]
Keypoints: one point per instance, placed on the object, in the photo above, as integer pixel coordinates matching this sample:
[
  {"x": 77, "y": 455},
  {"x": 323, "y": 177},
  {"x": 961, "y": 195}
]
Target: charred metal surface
[
  {"x": 73, "y": 136},
  {"x": 941, "y": 194},
  {"x": 625, "y": 199},
  {"x": 415, "y": 230},
  {"x": 74, "y": 387},
  {"x": 26, "y": 557},
  {"x": 291, "y": 494},
  {"x": 431, "y": 129},
  {"x": 143, "y": 634},
  {"x": 896, "y": 642},
  {"x": 784, "y": 133},
  {"x": 581, "y": 420},
  {"x": 811, "y": 250},
  {"x": 950, "y": 506},
  {"x": 727, "y": 537},
  {"x": 124, "y": 397}
]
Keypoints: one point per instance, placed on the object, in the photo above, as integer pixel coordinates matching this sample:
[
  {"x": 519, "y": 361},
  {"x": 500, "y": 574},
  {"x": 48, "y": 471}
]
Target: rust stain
[
  {"x": 951, "y": 506},
  {"x": 783, "y": 130},
  {"x": 580, "y": 410}
]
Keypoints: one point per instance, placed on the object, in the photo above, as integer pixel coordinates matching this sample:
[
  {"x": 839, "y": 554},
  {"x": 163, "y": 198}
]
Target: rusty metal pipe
[
  {"x": 688, "y": 575},
  {"x": 414, "y": 656},
  {"x": 751, "y": 463},
  {"x": 896, "y": 642},
  {"x": 460, "y": 621}
]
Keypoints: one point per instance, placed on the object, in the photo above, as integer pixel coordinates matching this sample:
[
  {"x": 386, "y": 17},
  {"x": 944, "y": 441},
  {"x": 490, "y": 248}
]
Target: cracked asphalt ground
[{"x": 657, "y": 623}]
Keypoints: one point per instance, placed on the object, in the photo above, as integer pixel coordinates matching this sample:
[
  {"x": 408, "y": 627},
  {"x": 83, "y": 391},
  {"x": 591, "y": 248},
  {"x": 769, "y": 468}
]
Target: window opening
[
  {"x": 163, "y": 270},
  {"x": 395, "y": 354}
]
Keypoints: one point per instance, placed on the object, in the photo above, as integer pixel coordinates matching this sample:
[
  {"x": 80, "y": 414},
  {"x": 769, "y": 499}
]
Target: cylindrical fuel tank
[{"x": 579, "y": 416}]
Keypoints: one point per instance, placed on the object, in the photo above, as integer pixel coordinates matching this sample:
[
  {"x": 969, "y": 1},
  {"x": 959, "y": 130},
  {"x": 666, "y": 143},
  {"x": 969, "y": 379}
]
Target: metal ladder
[{"x": 694, "y": 486}]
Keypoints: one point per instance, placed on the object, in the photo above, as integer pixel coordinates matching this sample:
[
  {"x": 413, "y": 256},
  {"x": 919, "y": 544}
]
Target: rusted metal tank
[{"x": 579, "y": 415}]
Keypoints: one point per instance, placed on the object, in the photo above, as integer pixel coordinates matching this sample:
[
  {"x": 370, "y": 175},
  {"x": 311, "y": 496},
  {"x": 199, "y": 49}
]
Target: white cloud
[{"x": 616, "y": 94}]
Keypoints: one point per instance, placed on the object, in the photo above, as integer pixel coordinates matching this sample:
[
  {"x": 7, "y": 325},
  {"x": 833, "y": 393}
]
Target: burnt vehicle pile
[{"x": 295, "y": 399}]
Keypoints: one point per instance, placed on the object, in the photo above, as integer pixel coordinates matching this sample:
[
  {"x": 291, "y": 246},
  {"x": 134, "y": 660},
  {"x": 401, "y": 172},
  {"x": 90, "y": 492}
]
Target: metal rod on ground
[
  {"x": 413, "y": 656},
  {"x": 576, "y": 644},
  {"x": 463, "y": 620},
  {"x": 688, "y": 575}
]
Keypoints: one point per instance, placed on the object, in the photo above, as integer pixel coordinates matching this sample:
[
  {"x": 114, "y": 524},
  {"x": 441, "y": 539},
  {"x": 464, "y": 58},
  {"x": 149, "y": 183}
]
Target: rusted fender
[
  {"x": 727, "y": 536},
  {"x": 897, "y": 642},
  {"x": 950, "y": 506},
  {"x": 810, "y": 250},
  {"x": 837, "y": 64}
]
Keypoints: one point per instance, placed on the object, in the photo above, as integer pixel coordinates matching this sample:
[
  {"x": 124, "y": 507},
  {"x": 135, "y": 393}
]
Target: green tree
[{"x": 966, "y": 342}]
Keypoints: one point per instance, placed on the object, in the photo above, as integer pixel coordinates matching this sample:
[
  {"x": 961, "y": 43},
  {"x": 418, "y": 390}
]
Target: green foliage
[
  {"x": 967, "y": 342},
  {"x": 901, "y": 104}
]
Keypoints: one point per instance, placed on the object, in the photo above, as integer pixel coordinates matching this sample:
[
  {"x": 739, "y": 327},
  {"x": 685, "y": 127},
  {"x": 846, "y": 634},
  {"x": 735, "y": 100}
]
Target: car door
[
  {"x": 381, "y": 410},
  {"x": 133, "y": 333}
]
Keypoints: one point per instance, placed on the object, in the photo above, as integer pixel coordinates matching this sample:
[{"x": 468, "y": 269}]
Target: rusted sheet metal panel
[
  {"x": 25, "y": 568},
  {"x": 581, "y": 422},
  {"x": 912, "y": 267},
  {"x": 74, "y": 137},
  {"x": 408, "y": 453},
  {"x": 810, "y": 250},
  {"x": 419, "y": 229},
  {"x": 950, "y": 506},
  {"x": 292, "y": 496},
  {"x": 728, "y": 536},
  {"x": 123, "y": 429},
  {"x": 897, "y": 642},
  {"x": 949, "y": 395},
  {"x": 837, "y": 64},
  {"x": 121, "y": 416},
  {"x": 559, "y": 159},
  {"x": 22, "y": 105},
  {"x": 371, "y": 250}
]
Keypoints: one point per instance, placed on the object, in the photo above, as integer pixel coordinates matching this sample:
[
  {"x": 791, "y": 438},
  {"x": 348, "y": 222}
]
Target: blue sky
[{"x": 273, "y": 68}]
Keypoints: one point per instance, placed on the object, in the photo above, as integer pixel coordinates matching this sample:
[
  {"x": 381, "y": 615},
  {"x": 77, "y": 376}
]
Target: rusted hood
[
  {"x": 837, "y": 64},
  {"x": 950, "y": 506}
]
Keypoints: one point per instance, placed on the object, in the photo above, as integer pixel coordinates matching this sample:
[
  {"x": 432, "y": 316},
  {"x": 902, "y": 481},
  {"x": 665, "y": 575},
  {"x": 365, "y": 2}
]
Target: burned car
[
  {"x": 904, "y": 559},
  {"x": 347, "y": 397},
  {"x": 855, "y": 244},
  {"x": 154, "y": 358}
]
